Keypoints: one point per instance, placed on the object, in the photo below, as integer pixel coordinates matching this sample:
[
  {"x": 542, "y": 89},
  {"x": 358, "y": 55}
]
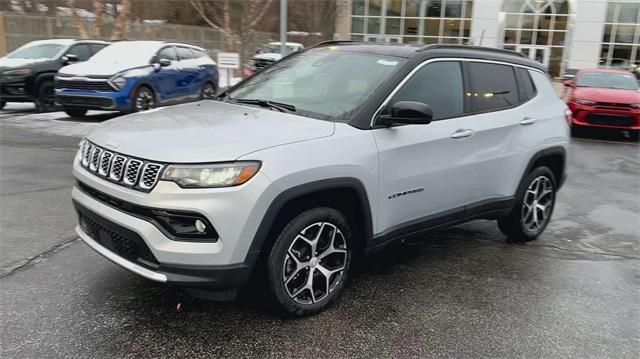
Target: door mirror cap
[
  {"x": 165, "y": 62},
  {"x": 69, "y": 58},
  {"x": 568, "y": 83},
  {"x": 408, "y": 113}
]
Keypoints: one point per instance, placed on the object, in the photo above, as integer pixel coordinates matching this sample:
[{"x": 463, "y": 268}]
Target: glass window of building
[
  {"x": 538, "y": 29},
  {"x": 621, "y": 37},
  {"x": 411, "y": 21}
]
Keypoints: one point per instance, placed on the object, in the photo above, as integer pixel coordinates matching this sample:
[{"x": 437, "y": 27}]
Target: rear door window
[
  {"x": 438, "y": 85},
  {"x": 493, "y": 86}
]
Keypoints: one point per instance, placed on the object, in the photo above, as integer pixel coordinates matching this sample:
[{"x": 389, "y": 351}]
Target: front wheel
[
  {"x": 143, "y": 99},
  {"x": 310, "y": 261},
  {"x": 2, "y": 104},
  {"x": 45, "y": 99},
  {"x": 534, "y": 205}
]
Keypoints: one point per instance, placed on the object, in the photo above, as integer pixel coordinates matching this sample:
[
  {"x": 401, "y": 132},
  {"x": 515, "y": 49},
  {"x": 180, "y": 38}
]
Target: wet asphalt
[{"x": 460, "y": 293}]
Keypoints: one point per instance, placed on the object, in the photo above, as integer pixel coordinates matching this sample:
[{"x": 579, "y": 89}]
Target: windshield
[
  {"x": 127, "y": 54},
  {"x": 320, "y": 83},
  {"x": 607, "y": 80},
  {"x": 37, "y": 51}
]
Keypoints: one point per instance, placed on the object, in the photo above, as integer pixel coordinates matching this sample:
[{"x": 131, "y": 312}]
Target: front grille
[
  {"x": 124, "y": 170},
  {"x": 262, "y": 63},
  {"x": 84, "y": 101},
  {"x": 95, "y": 85},
  {"x": 613, "y": 106},
  {"x": 120, "y": 240},
  {"x": 610, "y": 120}
]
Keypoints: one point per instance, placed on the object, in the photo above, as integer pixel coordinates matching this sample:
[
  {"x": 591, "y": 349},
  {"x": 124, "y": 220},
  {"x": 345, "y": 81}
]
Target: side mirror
[
  {"x": 568, "y": 83},
  {"x": 69, "y": 58},
  {"x": 165, "y": 62},
  {"x": 409, "y": 113}
]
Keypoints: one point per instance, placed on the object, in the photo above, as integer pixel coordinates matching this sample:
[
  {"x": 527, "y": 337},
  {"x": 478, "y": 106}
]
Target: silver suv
[{"x": 328, "y": 154}]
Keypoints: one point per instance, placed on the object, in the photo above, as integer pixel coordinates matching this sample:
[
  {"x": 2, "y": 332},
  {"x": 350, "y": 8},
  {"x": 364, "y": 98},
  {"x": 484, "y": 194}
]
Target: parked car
[
  {"x": 328, "y": 154},
  {"x": 132, "y": 76},
  {"x": 26, "y": 74},
  {"x": 604, "y": 99},
  {"x": 269, "y": 54}
]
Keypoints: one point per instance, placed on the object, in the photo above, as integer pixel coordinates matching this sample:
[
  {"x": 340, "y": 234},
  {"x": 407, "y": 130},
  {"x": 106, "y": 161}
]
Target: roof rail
[
  {"x": 478, "y": 48},
  {"x": 329, "y": 42}
]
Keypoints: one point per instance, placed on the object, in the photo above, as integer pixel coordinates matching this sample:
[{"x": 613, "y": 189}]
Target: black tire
[
  {"x": 515, "y": 225},
  {"x": 2, "y": 104},
  {"x": 208, "y": 91},
  {"x": 45, "y": 100},
  {"x": 143, "y": 99},
  {"x": 76, "y": 112},
  {"x": 319, "y": 223}
]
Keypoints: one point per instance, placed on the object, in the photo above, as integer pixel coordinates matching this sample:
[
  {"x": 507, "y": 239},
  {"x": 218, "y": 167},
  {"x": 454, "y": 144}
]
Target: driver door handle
[
  {"x": 528, "y": 121},
  {"x": 462, "y": 133}
]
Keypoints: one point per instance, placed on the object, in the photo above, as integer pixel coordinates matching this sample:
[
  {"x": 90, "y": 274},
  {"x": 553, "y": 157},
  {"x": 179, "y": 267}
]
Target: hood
[
  {"x": 268, "y": 56},
  {"x": 205, "y": 131},
  {"x": 607, "y": 95},
  {"x": 91, "y": 69},
  {"x": 7, "y": 63}
]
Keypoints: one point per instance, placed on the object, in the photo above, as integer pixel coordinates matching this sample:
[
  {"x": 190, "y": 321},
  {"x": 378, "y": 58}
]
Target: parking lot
[{"x": 463, "y": 292}]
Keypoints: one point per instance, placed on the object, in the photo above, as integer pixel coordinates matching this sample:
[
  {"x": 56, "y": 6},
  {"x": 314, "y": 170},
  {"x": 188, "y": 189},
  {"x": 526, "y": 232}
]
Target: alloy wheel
[
  {"x": 314, "y": 263},
  {"x": 144, "y": 100},
  {"x": 208, "y": 92},
  {"x": 537, "y": 204}
]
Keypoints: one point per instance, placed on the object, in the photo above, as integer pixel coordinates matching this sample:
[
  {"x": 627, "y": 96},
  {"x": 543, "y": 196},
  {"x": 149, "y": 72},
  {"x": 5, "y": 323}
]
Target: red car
[{"x": 600, "y": 98}]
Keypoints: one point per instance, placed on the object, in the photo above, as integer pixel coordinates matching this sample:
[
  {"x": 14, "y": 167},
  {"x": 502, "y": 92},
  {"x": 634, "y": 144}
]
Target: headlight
[
  {"x": 585, "y": 102},
  {"x": 118, "y": 82},
  {"x": 635, "y": 105},
  {"x": 20, "y": 72},
  {"x": 211, "y": 175}
]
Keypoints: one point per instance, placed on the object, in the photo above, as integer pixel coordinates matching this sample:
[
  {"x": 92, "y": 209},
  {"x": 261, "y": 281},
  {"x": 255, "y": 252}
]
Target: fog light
[{"x": 200, "y": 226}]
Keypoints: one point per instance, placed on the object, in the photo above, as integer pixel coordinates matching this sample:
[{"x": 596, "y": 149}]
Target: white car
[
  {"x": 272, "y": 53},
  {"x": 287, "y": 181}
]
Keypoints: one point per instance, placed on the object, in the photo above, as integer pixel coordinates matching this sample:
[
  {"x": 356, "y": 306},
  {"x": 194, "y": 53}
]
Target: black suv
[{"x": 26, "y": 74}]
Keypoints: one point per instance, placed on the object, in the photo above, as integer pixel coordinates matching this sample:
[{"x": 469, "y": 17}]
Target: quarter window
[
  {"x": 438, "y": 85},
  {"x": 525, "y": 85},
  {"x": 493, "y": 86}
]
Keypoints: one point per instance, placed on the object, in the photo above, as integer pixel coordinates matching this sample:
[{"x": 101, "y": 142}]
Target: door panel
[{"x": 166, "y": 78}]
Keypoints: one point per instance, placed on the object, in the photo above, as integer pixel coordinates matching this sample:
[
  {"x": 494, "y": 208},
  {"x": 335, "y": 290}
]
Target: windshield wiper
[{"x": 266, "y": 103}]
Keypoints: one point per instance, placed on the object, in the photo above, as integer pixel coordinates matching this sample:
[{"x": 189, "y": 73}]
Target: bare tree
[
  {"x": 120, "y": 30},
  {"x": 98, "y": 11},
  {"x": 82, "y": 31}
]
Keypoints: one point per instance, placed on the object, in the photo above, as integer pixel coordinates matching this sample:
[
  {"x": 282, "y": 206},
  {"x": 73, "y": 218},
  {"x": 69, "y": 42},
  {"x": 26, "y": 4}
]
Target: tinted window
[
  {"x": 493, "y": 86},
  {"x": 96, "y": 47},
  {"x": 83, "y": 52},
  {"x": 525, "y": 84},
  {"x": 184, "y": 53},
  {"x": 439, "y": 85},
  {"x": 168, "y": 53}
]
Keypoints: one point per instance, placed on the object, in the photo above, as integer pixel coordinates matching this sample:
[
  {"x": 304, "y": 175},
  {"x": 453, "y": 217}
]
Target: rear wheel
[
  {"x": 208, "y": 91},
  {"x": 310, "y": 261},
  {"x": 534, "y": 206},
  {"x": 45, "y": 100},
  {"x": 143, "y": 99},
  {"x": 76, "y": 112}
]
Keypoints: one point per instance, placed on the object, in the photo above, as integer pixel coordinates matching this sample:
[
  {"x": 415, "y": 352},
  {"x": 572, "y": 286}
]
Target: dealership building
[{"x": 561, "y": 34}]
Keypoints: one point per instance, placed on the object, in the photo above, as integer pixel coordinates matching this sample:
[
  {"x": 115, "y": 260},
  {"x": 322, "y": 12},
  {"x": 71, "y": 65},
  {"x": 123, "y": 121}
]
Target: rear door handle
[
  {"x": 528, "y": 121},
  {"x": 461, "y": 133}
]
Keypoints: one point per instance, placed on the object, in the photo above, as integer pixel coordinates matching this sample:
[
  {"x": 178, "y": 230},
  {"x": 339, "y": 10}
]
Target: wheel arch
[
  {"x": 345, "y": 194},
  {"x": 555, "y": 158}
]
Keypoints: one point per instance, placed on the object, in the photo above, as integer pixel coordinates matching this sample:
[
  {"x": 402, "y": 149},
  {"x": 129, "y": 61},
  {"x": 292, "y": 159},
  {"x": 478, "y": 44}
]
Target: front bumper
[
  {"x": 601, "y": 116},
  {"x": 94, "y": 100},
  {"x": 222, "y": 264},
  {"x": 20, "y": 90}
]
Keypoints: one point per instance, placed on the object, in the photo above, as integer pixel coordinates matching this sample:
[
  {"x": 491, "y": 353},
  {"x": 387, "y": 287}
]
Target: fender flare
[
  {"x": 40, "y": 78},
  {"x": 276, "y": 206},
  {"x": 551, "y": 151}
]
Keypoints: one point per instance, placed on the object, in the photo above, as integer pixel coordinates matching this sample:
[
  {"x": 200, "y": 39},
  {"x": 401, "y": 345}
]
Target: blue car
[{"x": 133, "y": 76}]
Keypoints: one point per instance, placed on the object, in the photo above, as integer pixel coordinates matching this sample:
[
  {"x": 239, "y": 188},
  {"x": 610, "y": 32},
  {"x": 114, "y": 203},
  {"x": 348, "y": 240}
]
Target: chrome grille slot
[
  {"x": 117, "y": 168},
  {"x": 127, "y": 171},
  {"x": 105, "y": 162},
  {"x": 95, "y": 158},
  {"x": 131, "y": 172},
  {"x": 150, "y": 175}
]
